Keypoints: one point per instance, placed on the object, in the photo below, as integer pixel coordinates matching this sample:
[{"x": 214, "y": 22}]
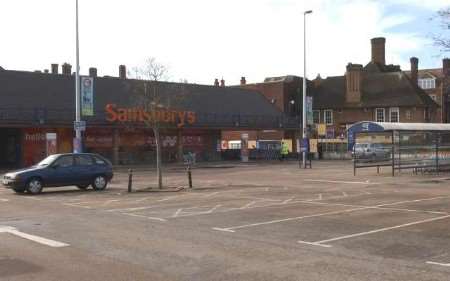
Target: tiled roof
[
  {"x": 382, "y": 89},
  {"x": 29, "y": 90}
]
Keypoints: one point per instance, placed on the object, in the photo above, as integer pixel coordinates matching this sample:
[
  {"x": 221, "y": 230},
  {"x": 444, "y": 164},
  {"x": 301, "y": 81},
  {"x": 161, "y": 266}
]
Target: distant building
[
  {"x": 374, "y": 92},
  {"x": 436, "y": 83}
]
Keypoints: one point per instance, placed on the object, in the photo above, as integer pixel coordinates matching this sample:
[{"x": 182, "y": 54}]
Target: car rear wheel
[
  {"x": 83, "y": 186},
  {"x": 34, "y": 186},
  {"x": 99, "y": 183}
]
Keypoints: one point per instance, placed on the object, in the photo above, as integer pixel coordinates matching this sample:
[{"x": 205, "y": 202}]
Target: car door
[
  {"x": 61, "y": 171},
  {"x": 84, "y": 169}
]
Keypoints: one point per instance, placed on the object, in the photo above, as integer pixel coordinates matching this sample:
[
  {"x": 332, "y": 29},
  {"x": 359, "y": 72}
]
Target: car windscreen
[{"x": 47, "y": 161}]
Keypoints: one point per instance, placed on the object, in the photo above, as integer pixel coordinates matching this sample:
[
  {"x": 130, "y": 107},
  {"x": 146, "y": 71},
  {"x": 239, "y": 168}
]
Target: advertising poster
[
  {"x": 313, "y": 145},
  {"x": 321, "y": 129},
  {"x": 87, "y": 96},
  {"x": 51, "y": 145}
]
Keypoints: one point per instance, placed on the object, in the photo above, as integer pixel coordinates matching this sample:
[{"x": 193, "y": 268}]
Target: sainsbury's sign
[{"x": 136, "y": 114}]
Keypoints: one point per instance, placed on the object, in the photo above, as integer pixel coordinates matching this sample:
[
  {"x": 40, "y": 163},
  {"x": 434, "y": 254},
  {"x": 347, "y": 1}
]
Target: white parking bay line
[
  {"x": 4, "y": 200},
  {"x": 346, "y": 182},
  {"x": 289, "y": 219},
  {"x": 438, "y": 263},
  {"x": 323, "y": 242},
  {"x": 34, "y": 238},
  {"x": 145, "y": 217}
]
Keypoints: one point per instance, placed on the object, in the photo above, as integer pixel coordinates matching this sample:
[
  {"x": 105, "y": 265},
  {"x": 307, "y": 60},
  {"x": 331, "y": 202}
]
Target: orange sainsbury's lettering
[
  {"x": 112, "y": 114},
  {"x": 136, "y": 114}
]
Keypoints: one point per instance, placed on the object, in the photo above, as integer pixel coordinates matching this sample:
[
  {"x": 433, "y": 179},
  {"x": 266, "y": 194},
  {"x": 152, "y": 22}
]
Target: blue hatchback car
[{"x": 81, "y": 170}]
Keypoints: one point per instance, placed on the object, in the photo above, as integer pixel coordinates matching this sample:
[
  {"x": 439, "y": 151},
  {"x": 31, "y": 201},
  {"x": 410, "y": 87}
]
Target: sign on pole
[
  {"x": 87, "y": 96},
  {"x": 79, "y": 125},
  {"x": 309, "y": 111}
]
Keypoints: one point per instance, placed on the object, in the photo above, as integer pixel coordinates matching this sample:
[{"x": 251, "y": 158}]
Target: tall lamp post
[
  {"x": 77, "y": 144},
  {"x": 304, "y": 88}
]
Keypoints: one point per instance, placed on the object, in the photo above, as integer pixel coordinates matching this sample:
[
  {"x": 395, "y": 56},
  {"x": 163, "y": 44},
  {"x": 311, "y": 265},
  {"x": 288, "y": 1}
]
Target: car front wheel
[
  {"x": 99, "y": 183},
  {"x": 19, "y": 190},
  {"x": 34, "y": 186}
]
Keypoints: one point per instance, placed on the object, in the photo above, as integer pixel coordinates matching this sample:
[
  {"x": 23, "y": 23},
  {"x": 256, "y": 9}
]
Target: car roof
[{"x": 72, "y": 154}]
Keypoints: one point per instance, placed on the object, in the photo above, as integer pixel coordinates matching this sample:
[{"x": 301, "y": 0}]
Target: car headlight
[{"x": 15, "y": 177}]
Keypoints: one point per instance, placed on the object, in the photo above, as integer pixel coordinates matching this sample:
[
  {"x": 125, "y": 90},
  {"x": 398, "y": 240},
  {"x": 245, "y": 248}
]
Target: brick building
[
  {"x": 285, "y": 93},
  {"x": 436, "y": 83},
  {"x": 374, "y": 92}
]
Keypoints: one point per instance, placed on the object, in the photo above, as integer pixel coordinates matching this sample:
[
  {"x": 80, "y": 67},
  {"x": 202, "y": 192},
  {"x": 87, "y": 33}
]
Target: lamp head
[{"x": 307, "y": 12}]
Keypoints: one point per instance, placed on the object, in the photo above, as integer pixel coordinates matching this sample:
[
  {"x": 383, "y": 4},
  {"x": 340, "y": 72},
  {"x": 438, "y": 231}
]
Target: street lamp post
[
  {"x": 304, "y": 88},
  {"x": 77, "y": 144}
]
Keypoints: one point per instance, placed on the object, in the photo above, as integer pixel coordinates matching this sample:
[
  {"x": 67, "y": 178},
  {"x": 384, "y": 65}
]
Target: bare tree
[
  {"x": 155, "y": 99},
  {"x": 442, "y": 40}
]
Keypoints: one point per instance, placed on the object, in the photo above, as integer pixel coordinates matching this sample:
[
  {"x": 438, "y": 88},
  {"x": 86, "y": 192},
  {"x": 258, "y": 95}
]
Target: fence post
[
  {"x": 130, "y": 180},
  {"x": 189, "y": 175},
  {"x": 437, "y": 153},
  {"x": 393, "y": 154}
]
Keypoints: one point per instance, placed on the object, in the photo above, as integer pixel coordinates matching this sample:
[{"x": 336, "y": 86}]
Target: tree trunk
[{"x": 158, "y": 157}]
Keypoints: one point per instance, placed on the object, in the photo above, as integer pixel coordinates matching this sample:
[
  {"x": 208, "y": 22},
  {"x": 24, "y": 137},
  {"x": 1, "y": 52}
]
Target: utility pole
[
  {"x": 77, "y": 143},
  {"x": 304, "y": 88}
]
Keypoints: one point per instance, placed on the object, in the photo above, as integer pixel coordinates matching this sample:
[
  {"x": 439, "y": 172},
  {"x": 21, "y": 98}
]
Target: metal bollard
[
  {"x": 189, "y": 175},
  {"x": 130, "y": 179}
]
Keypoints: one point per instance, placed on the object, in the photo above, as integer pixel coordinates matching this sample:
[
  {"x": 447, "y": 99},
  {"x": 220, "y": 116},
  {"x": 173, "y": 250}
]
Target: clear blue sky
[{"x": 205, "y": 39}]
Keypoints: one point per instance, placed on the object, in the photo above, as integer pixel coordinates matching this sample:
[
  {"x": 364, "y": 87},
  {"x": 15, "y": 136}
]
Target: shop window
[
  {"x": 316, "y": 116},
  {"x": 234, "y": 144},
  {"x": 379, "y": 115},
  {"x": 394, "y": 114},
  {"x": 328, "y": 117}
]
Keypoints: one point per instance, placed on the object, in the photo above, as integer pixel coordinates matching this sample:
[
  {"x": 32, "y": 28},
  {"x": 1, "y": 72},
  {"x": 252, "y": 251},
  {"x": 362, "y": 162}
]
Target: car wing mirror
[{"x": 55, "y": 166}]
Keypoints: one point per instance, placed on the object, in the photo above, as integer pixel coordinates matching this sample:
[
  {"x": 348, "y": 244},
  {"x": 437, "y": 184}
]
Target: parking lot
[{"x": 266, "y": 221}]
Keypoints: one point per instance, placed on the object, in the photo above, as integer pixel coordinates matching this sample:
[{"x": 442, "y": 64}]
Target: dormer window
[{"x": 427, "y": 83}]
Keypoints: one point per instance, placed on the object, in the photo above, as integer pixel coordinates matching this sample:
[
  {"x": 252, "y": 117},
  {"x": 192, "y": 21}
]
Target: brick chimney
[
  {"x": 243, "y": 81},
  {"x": 216, "y": 82},
  {"x": 66, "y": 69},
  {"x": 378, "y": 50},
  {"x": 54, "y": 68},
  {"x": 318, "y": 80},
  {"x": 353, "y": 77},
  {"x": 222, "y": 83},
  {"x": 122, "y": 72},
  {"x": 414, "y": 69},
  {"x": 93, "y": 72},
  {"x": 446, "y": 67}
]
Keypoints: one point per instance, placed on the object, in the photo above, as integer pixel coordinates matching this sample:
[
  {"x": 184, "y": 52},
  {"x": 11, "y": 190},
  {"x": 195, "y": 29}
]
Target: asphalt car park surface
[{"x": 266, "y": 221}]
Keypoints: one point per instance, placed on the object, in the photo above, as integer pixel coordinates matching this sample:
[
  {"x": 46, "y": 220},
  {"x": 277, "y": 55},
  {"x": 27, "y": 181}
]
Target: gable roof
[
  {"x": 54, "y": 95},
  {"x": 382, "y": 89}
]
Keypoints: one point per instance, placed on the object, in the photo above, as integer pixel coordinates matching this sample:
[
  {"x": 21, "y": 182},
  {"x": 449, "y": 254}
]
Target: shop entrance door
[{"x": 9, "y": 148}]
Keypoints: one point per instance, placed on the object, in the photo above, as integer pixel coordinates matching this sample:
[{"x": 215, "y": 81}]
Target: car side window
[
  {"x": 99, "y": 161},
  {"x": 64, "y": 161},
  {"x": 84, "y": 160}
]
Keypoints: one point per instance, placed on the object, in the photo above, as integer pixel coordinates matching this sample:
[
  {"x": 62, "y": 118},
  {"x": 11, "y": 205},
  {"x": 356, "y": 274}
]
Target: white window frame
[
  {"x": 316, "y": 113},
  {"x": 330, "y": 111},
  {"x": 396, "y": 110},
  {"x": 376, "y": 114},
  {"x": 427, "y": 83},
  {"x": 408, "y": 114}
]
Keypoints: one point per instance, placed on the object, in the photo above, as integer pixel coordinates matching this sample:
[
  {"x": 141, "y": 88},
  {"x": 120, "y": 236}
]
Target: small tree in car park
[
  {"x": 442, "y": 40},
  {"x": 156, "y": 100}
]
